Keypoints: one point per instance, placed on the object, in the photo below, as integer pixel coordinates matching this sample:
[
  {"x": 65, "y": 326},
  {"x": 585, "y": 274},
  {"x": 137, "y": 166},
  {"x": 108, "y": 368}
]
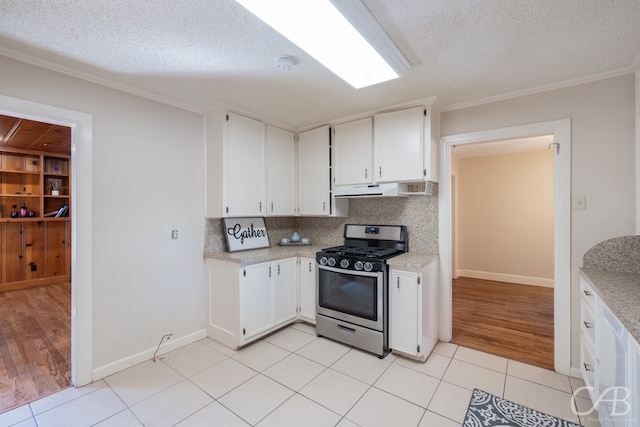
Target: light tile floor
[{"x": 294, "y": 378}]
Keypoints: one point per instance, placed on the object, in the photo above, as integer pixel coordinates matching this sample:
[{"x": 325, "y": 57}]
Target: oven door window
[{"x": 349, "y": 293}]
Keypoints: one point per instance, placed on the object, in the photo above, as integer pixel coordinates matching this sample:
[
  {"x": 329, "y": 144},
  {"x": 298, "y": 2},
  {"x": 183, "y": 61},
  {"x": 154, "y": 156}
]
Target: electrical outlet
[
  {"x": 174, "y": 234},
  {"x": 580, "y": 202}
]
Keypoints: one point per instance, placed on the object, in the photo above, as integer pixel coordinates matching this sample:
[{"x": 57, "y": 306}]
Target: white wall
[
  {"x": 505, "y": 217},
  {"x": 148, "y": 178},
  {"x": 603, "y": 157}
]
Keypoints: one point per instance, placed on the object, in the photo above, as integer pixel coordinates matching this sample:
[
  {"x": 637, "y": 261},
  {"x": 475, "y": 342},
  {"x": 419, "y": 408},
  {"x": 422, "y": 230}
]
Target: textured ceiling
[{"x": 203, "y": 53}]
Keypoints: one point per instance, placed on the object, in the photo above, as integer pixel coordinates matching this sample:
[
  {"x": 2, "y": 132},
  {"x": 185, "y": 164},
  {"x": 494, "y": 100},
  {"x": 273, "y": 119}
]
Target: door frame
[
  {"x": 561, "y": 129},
  {"x": 81, "y": 224}
]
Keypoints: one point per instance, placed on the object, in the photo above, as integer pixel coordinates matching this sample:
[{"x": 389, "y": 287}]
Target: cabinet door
[
  {"x": 11, "y": 244},
  {"x": 399, "y": 145},
  {"x": 34, "y": 250},
  {"x": 257, "y": 302},
  {"x": 634, "y": 380},
  {"x": 405, "y": 299},
  {"x": 285, "y": 290},
  {"x": 313, "y": 172},
  {"x": 58, "y": 248},
  {"x": 245, "y": 166},
  {"x": 611, "y": 369},
  {"x": 353, "y": 149},
  {"x": 280, "y": 172},
  {"x": 308, "y": 289}
]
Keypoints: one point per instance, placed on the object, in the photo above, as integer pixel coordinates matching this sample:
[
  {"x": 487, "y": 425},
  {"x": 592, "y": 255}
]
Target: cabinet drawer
[
  {"x": 587, "y": 293},
  {"x": 588, "y": 322},
  {"x": 587, "y": 366}
]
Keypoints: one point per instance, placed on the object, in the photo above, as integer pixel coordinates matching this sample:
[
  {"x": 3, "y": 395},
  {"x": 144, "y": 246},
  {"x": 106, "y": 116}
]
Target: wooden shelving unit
[{"x": 35, "y": 245}]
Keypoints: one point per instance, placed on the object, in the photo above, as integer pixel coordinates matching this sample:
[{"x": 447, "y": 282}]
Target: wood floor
[
  {"x": 505, "y": 319},
  {"x": 35, "y": 343}
]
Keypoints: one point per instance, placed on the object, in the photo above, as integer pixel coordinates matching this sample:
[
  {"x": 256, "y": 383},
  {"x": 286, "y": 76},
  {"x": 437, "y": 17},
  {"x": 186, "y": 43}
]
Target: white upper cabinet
[
  {"x": 399, "y": 145},
  {"x": 235, "y": 165},
  {"x": 396, "y": 146},
  {"x": 352, "y": 145},
  {"x": 280, "y": 172},
  {"x": 246, "y": 166},
  {"x": 313, "y": 172}
]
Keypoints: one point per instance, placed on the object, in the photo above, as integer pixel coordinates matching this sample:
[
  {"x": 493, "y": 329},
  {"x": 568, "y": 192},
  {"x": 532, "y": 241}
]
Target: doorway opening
[
  {"x": 561, "y": 145},
  {"x": 502, "y": 248},
  {"x": 81, "y": 225},
  {"x": 35, "y": 253}
]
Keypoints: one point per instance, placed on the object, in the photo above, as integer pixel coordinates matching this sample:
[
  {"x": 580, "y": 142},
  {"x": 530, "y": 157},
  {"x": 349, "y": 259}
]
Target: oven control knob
[
  {"x": 344, "y": 263},
  {"x": 331, "y": 262},
  {"x": 368, "y": 266},
  {"x": 323, "y": 260},
  {"x": 358, "y": 265}
]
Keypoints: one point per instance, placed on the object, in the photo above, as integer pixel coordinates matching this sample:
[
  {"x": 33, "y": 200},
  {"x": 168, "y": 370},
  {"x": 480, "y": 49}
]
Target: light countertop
[
  {"x": 408, "y": 260},
  {"x": 620, "y": 291}
]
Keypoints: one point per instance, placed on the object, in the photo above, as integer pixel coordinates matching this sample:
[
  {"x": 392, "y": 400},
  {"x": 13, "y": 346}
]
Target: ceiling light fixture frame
[{"x": 343, "y": 35}]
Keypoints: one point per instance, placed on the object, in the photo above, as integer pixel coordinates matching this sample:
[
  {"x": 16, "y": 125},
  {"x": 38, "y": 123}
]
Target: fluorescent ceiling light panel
[{"x": 325, "y": 30}]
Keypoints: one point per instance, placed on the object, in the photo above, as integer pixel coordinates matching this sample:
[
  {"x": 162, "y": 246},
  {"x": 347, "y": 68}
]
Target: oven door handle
[{"x": 354, "y": 272}]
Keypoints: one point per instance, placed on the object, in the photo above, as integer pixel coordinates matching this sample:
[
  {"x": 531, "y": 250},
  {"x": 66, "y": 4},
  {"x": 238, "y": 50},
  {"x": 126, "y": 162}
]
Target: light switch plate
[{"x": 580, "y": 202}]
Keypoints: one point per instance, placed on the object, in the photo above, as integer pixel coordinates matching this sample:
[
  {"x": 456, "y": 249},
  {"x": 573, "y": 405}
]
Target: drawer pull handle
[
  {"x": 346, "y": 329},
  {"x": 587, "y": 367},
  {"x": 587, "y": 325},
  {"x": 587, "y": 293}
]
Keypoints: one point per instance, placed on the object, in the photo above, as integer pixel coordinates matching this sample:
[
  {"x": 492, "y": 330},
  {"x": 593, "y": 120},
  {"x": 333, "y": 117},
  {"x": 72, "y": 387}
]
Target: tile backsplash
[{"x": 418, "y": 213}]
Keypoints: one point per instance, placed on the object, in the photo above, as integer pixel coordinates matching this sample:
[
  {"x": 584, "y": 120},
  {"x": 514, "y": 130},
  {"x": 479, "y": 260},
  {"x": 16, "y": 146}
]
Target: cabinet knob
[
  {"x": 587, "y": 367},
  {"x": 366, "y": 171},
  {"x": 587, "y": 293},
  {"x": 380, "y": 173},
  {"x": 309, "y": 267},
  {"x": 587, "y": 325},
  {"x": 271, "y": 206}
]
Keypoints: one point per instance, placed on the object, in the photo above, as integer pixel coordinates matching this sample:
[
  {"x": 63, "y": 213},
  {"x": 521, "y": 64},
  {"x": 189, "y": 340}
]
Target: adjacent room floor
[
  {"x": 35, "y": 343},
  {"x": 505, "y": 319},
  {"x": 294, "y": 378}
]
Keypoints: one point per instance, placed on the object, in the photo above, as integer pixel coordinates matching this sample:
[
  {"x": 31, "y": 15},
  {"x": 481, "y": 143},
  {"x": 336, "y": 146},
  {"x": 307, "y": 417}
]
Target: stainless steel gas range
[{"x": 352, "y": 286}]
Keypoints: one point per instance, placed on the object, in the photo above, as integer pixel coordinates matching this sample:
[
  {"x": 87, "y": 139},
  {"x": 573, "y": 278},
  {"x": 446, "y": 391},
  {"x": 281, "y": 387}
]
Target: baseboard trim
[
  {"x": 575, "y": 373},
  {"x": 129, "y": 361},
  {"x": 509, "y": 278}
]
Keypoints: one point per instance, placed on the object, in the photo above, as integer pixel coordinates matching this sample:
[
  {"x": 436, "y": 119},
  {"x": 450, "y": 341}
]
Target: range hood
[{"x": 370, "y": 190}]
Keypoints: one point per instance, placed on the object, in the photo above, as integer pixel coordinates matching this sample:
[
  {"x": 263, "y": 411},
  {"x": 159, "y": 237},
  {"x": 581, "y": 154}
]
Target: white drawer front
[
  {"x": 588, "y": 366},
  {"x": 587, "y": 293},
  {"x": 588, "y": 322}
]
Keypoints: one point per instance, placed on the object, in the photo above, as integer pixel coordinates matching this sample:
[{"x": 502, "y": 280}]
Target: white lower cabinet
[
  {"x": 405, "y": 296},
  {"x": 284, "y": 290},
  {"x": 413, "y": 315},
  {"x": 307, "y": 286},
  {"x": 588, "y": 327},
  {"x": 634, "y": 381},
  {"x": 609, "y": 361},
  {"x": 255, "y": 288},
  {"x": 247, "y": 302}
]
